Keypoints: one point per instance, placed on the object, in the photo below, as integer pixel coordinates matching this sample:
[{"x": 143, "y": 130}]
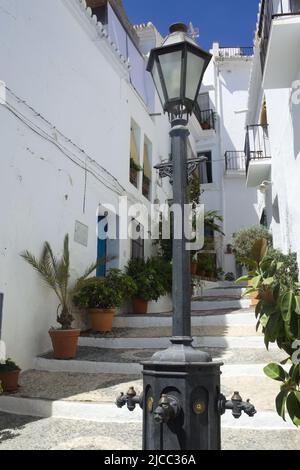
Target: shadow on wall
[{"x": 295, "y": 116}]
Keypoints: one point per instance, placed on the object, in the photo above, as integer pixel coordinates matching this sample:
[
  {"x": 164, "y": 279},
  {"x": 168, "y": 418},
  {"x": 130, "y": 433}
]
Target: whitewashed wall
[
  {"x": 227, "y": 83},
  {"x": 52, "y": 56}
]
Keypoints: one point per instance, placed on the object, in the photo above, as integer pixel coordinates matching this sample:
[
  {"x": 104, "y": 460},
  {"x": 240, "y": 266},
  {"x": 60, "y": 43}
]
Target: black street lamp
[
  {"x": 177, "y": 69},
  {"x": 181, "y": 401}
]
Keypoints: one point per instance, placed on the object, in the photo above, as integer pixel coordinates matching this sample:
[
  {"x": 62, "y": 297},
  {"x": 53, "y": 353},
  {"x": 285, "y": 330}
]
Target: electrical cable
[{"x": 113, "y": 185}]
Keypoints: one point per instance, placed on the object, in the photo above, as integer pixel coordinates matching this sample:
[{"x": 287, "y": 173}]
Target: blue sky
[{"x": 231, "y": 22}]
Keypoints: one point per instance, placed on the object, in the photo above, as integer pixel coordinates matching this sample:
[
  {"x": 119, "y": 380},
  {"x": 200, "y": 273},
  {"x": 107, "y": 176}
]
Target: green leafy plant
[
  {"x": 244, "y": 241},
  {"x": 56, "y": 274},
  {"x": 8, "y": 366},
  {"x": 135, "y": 166},
  {"x": 151, "y": 285},
  {"x": 104, "y": 293},
  {"x": 163, "y": 268},
  {"x": 275, "y": 278}
]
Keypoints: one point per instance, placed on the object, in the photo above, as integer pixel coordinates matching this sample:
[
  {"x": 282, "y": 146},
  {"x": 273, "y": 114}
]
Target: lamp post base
[{"x": 181, "y": 395}]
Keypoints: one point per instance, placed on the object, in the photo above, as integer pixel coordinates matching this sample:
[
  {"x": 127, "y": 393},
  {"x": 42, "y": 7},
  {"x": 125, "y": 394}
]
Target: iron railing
[
  {"x": 146, "y": 187},
  {"x": 205, "y": 117},
  {"x": 271, "y": 9},
  {"x": 257, "y": 145},
  {"x": 235, "y": 161},
  {"x": 230, "y": 52}
]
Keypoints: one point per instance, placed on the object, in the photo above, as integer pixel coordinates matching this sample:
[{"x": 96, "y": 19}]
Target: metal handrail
[
  {"x": 235, "y": 160},
  {"x": 236, "y": 51},
  {"x": 257, "y": 148},
  {"x": 206, "y": 117}
]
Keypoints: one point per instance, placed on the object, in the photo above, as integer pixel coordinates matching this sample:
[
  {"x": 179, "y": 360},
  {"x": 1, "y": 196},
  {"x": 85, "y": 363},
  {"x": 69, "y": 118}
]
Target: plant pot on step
[
  {"x": 10, "y": 381},
  {"x": 64, "y": 343},
  {"x": 139, "y": 306},
  {"x": 102, "y": 319},
  {"x": 194, "y": 268}
]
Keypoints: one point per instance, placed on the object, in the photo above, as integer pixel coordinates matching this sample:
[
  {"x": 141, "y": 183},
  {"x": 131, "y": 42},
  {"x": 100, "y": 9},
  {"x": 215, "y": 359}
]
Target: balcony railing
[
  {"x": 205, "y": 117},
  {"x": 257, "y": 145},
  {"x": 271, "y": 9},
  {"x": 230, "y": 52},
  {"x": 146, "y": 187},
  {"x": 235, "y": 161}
]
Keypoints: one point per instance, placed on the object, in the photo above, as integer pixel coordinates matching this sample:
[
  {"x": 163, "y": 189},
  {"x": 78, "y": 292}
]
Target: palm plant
[{"x": 56, "y": 274}]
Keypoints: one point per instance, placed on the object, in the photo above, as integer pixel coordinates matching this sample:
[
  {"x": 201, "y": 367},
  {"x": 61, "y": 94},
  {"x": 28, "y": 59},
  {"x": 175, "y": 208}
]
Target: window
[
  {"x": 137, "y": 242},
  {"x": 134, "y": 154},
  {"x": 205, "y": 168},
  {"x": 203, "y": 101},
  {"x": 295, "y": 6},
  {"x": 147, "y": 169}
]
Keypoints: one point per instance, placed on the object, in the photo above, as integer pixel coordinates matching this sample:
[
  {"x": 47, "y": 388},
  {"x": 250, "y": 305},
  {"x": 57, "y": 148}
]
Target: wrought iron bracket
[
  {"x": 131, "y": 399},
  {"x": 236, "y": 405},
  {"x": 166, "y": 168}
]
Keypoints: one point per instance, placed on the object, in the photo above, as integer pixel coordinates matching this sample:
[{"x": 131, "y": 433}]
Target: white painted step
[
  {"x": 109, "y": 413},
  {"x": 230, "y": 342},
  {"x": 145, "y": 321},
  {"x": 223, "y": 292},
  {"x": 202, "y": 305}
]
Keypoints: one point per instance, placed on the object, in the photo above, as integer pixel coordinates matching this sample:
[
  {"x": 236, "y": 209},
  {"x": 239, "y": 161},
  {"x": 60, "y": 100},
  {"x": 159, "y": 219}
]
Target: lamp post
[{"x": 181, "y": 401}]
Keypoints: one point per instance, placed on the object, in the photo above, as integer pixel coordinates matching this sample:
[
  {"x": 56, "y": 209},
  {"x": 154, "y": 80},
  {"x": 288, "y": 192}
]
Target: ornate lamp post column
[{"x": 181, "y": 401}]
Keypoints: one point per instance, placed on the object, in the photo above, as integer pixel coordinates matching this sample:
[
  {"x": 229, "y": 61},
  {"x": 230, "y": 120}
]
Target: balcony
[
  {"x": 258, "y": 155},
  {"x": 235, "y": 163},
  {"x": 279, "y": 31},
  {"x": 146, "y": 188},
  {"x": 235, "y": 52},
  {"x": 206, "y": 118}
]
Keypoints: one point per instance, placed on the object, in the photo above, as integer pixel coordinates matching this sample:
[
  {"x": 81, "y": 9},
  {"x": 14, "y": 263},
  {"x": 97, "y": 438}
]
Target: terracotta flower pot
[
  {"x": 10, "y": 380},
  {"x": 139, "y": 306},
  {"x": 194, "y": 268},
  {"x": 102, "y": 319},
  {"x": 64, "y": 343}
]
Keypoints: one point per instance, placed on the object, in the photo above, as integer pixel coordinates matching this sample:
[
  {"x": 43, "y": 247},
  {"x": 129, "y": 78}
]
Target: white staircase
[{"x": 86, "y": 388}]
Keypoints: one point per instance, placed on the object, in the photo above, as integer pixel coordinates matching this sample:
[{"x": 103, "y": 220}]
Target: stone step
[
  {"x": 221, "y": 317},
  {"x": 141, "y": 342},
  {"x": 220, "y": 292},
  {"x": 29, "y": 433},
  {"x": 77, "y": 396},
  {"x": 166, "y": 332},
  {"x": 210, "y": 303},
  {"x": 104, "y": 388},
  {"x": 125, "y": 361}
]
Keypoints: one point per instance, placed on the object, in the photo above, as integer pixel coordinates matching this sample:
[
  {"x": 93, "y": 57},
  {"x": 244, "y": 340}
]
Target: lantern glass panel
[
  {"x": 171, "y": 65},
  {"x": 194, "y": 70}
]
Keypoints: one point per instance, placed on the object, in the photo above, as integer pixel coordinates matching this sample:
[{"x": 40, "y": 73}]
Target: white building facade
[
  {"x": 78, "y": 107},
  {"x": 273, "y": 162},
  {"x": 221, "y": 138},
  {"x": 78, "y": 116}
]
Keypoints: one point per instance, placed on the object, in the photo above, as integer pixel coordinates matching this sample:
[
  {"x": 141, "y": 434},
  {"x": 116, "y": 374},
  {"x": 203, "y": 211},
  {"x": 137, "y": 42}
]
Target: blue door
[{"x": 102, "y": 245}]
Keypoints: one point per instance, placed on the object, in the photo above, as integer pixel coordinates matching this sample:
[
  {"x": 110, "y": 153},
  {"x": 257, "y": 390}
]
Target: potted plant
[
  {"x": 230, "y": 277},
  {"x": 275, "y": 278},
  {"x": 150, "y": 284},
  {"x": 194, "y": 265},
  {"x": 134, "y": 170},
  {"x": 102, "y": 296},
  {"x": 56, "y": 274},
  {"x": 229, "y": 249},
  {"x": 9, "y": 376}
]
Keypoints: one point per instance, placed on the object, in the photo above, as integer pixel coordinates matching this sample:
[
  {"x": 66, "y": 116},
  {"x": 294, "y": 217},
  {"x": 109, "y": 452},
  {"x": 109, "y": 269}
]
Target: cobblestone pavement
[{"x": 27, "y": 433}]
